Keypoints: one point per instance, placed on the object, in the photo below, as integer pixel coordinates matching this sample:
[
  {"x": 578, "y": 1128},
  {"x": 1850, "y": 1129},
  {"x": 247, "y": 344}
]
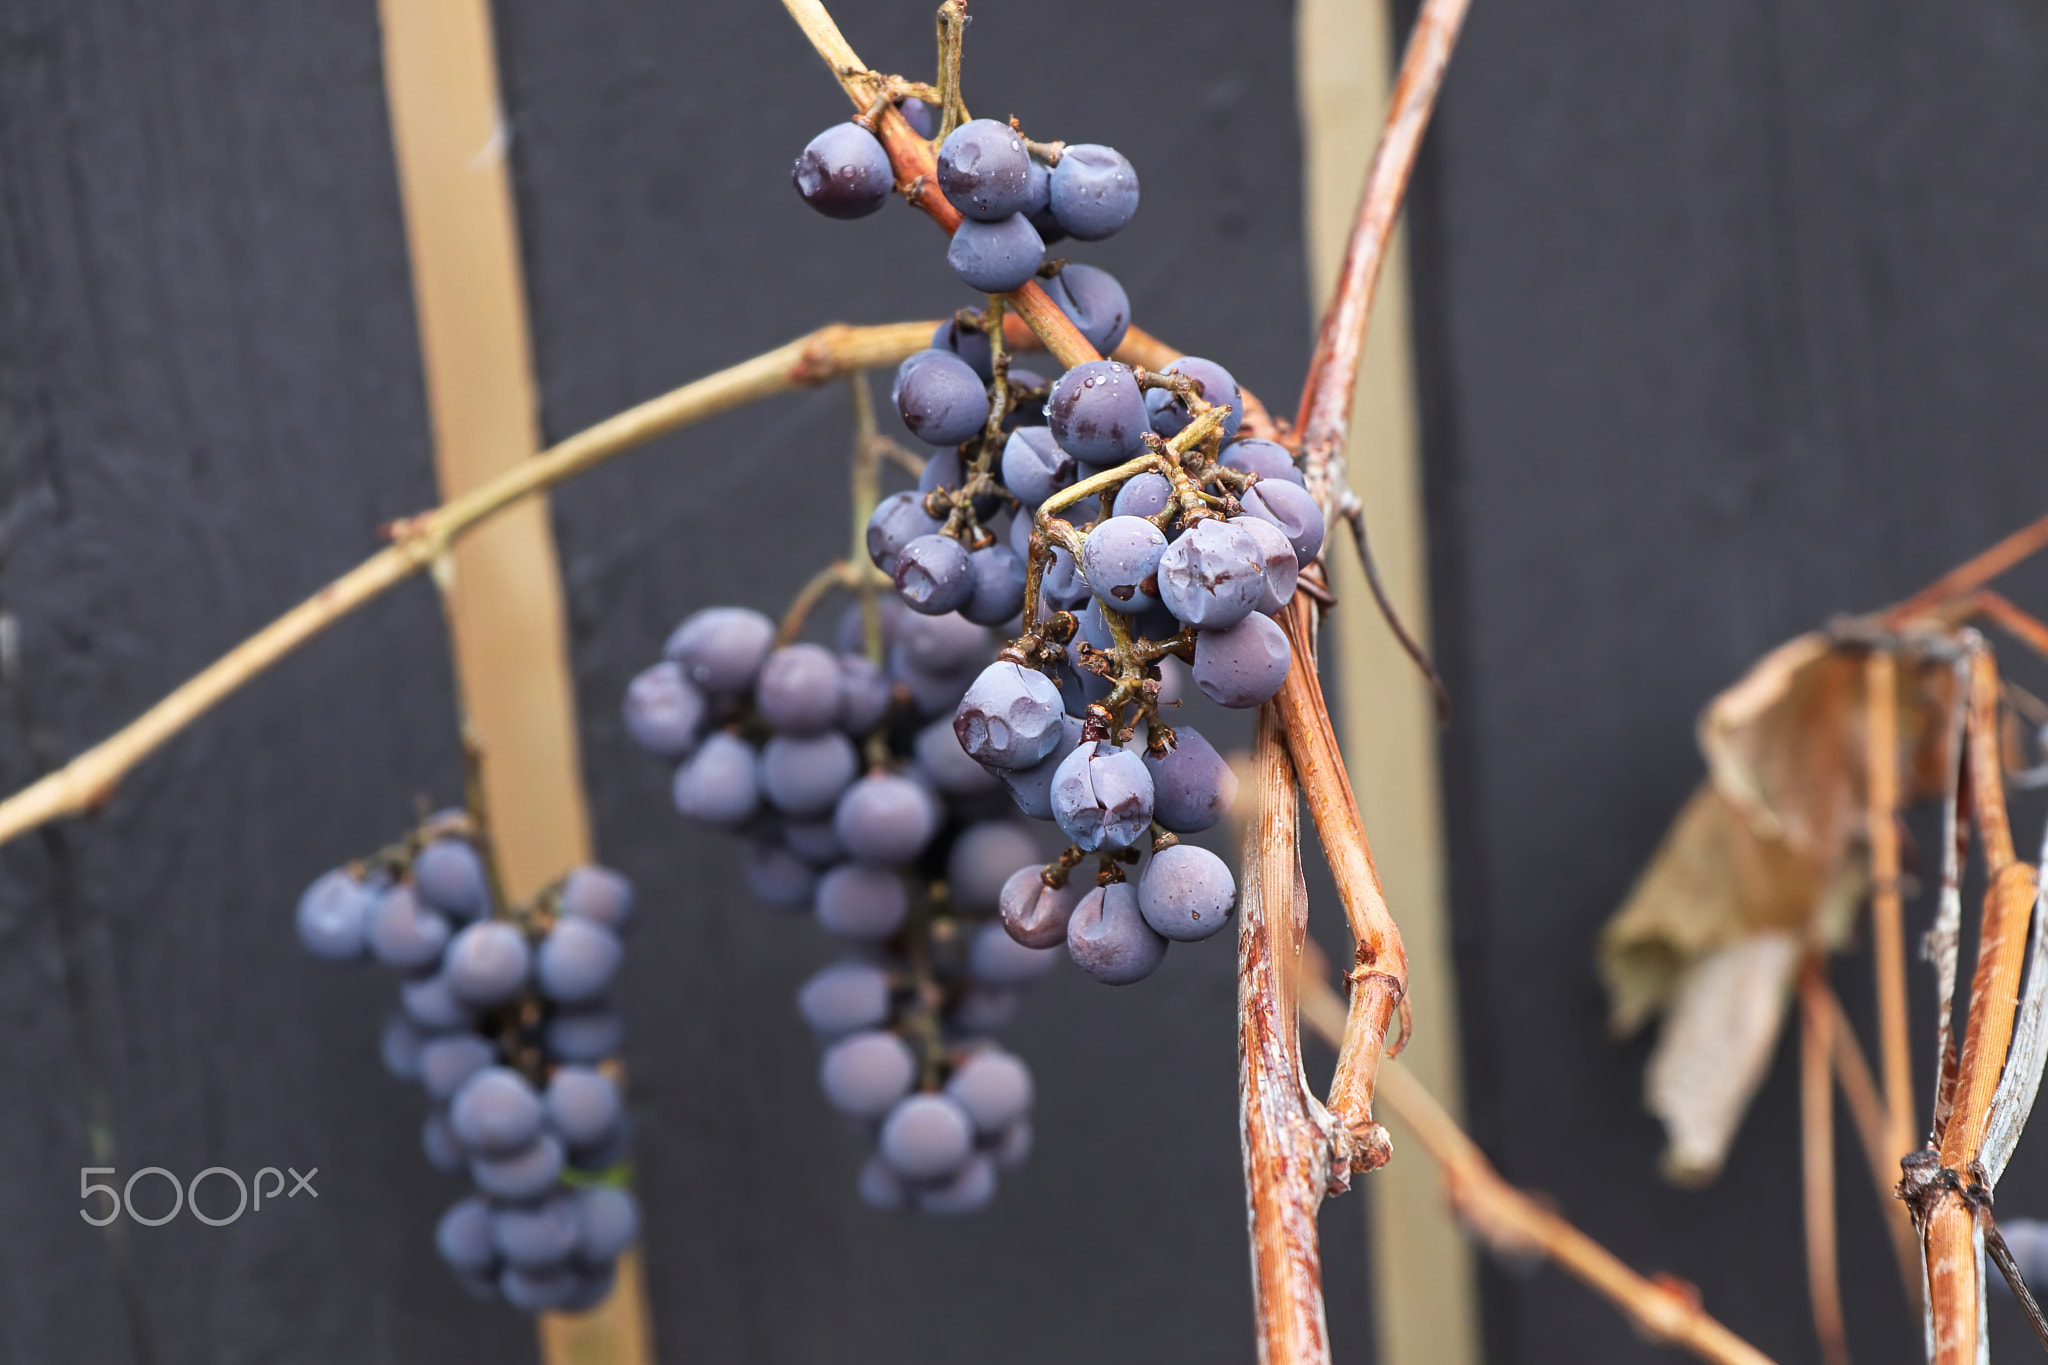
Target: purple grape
[
  {"x": 1192, "y": 787},
  {"x": 865, "y": 1074},
  {"x": 942, "y": 644},
  {"x": 1026, "y": 413},
  {"x": 663, "y": 711},
  {"x": 430, "y": 1004},
  {"x": 1281, "y": 569},
  {"x": 495, "y": 1112},
  {"x": 487, "y": 964},
  {"x": 1147, "y": 495},
  {"x": 1013, "y": 1148},
  {"x": 1038, "y": 204},
  {"x": 778, "y": 877},
  {"x": 940, "y": 398},
  {"x": 798, "y": 690},
  {"x": 995, "y": 1089},
  {"x": 919, "y": 115},
  {"x": 998, "y": 578},
  {"x": 859, "y": 902},
  {"x": 1186, "y": 893},
  {"x": 1109, "y": 939},
  {"x": 593, "y": 1287},
  {"x": 996, "y": 257},
  {"x": 598, "y": 894},
  {"x": 585, "y": 1035},
  {"x": 1034, "y": 467},
  {"x": 996, "y": 959},
  {"x": 582, "y": 1105},
  {"x": 463, "y": 1236},
  {"x": 970, "y": 344},
  {"x": 334, "y": 916},
  {"x": 717, "y": 785},
  {"x": 980, "y": 1010},
  {"x": 405, "y": 934},
  {"x": 439, "y": 1144},
  {"x": 805, "y": 777},
  {"x": 399, "y": 1047},
  {"x": 931, "y": 693},
  {"x": 970, "y": 1191},
  {"x": 982, "y": 859},
  {"x": 1034, "y": 914},
  {"x": 577, "y": 961},
  {"x": 927, "y": 1137},
  {"x": 863, "y": 693},
  {"x": 1063, "y": 586},
  {"x": 1102, "y": 796},
  {"x": 946, "y": 765},
  {"x": 1244, "y": 665},
  {"x": 1120, "y": 559},
  {"x": 934, "y": 576},
  {"x": 984, "y": 170},
  {"x": 1031, "y": 788},
  {"x": 1267, "y": 459},
  {"x": 445, "y": 1063},
  {"x": 1010, "y": 718},
  {"x": 539, "y": 1290},
  {"x": 525, "y": 1174},
  {"x": 608, "y": 1219},
  {"x": 608, "y": 1153},
  {"x": 881, "y": 1188},
  {"x": 1094, "y": 302},
  {"x": 1098, "y": 413},
  {"x": 853, "y": 625},
  {"x": 844, "y": 997},
  {"x": 537, "y": 1236},
  {"x": 1213, "y": 576},
  {"x": 720, "y": 649},
  {"x": 815, "y": 841},
  {"x": 1094, "y": 191},
  {"x": 1292, "y": 510},
  {"x": 885, "y": 819},
  {"x": 449, "y": 876},
  {"x": 1170, "y": 416},
  {"x": 844, "y": 172}
]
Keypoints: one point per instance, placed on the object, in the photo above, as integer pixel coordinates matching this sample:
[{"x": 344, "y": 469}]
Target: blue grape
[
  {"x": 970, "y": 1191},
  {"x": 463, "y": 1236},
  {"x": 996, "y": 959},
  {"x": 1291, "y": 509},
  {"x": 970, "y": 344},
  {"x": 1213, "y": 576},
  {"x": 1109, "y": 939},
  {"x": 664, "y": 711},
  {"x": 934, "y": 576},
  {"x": 717, "y": 785},
  {"x": 815, "y": 841},
  {"x": 1192, "y": 786},
  {"x": 537, "y": 1236},
  {"x": 405, "y": 934},
  {"x": 448, "y": 876},
  {"x": 538, "y": 1290},
  {"x": 984, "y": 170},
  {"x": 429, "y": 1003},
  {"x": 885, "y": 819},
  {"x": 608, "y": 1219},
  {"x": 609, "y": 1153},
  {"x": 927, "y": 1137},
  {"x": 982, "y": 859},
  {"x": 941, "y": 644},
  {"x": 859, "y": 902},
  {"x": 898, "y": 519},
  {"x": 1276, "y": 558},
  {"x": 1244, "y": 665},
  {"x": 1267, "y": 459},
  {"x": 994, "y": 1087},
  {"x": 844, "y": 997},
  {"x": 946, "y": 765},
  {"x": 577, "y": 961},
  {"x": 1013, "y": 1148},
  {"x": 584, "y": 1035},
  {"x": 1010, "y": 717},
  {"x": 996, "y": 257},
  {"x": 487, "y": 964},
  {"x": 1102, "y": 796},
  {"x": 919, "y": 115},
  {"x": 525, "y": 1174},
  {"x": 1170, "y": 416},
  {"x": 398, "y": 1046},
  {"x": 1094, "y": 302},
  {"x": 805, "y": 777},
  {"x": 980, "y": 1009},
  {"x": 495, "y": 1112},
  {"x": 1038, "y": 204},
  {"x": 1062, "y": 584},
  {"x": 778, "y": 877},
  {"x": 1031, "y": 788},
  {"x": 1186, "y": 893},
  {"x": 439, "y": 1144},
  {"x": 944, "y": 470},
  {"x": 1034, "y": 914},
  {"x": 1034, "y": 467},
  {"x": 1098, "y": 413},
  {"x": 881, "y": 1188},
  {"x": 863, "y": 693},
  {"x": 844, "y": 172},
  {"x": 593, "y": 1287},
  {"x": 445, "y": 1063},
  {"x": 720, "y": 649},
  {"x": 1120, "y": 559},
  {"x": 1094, "y": 191},
  {"x": 998, "y": 577},
  {"x": 798, "y": 690},
  {"x": 1147, "y": 495},
  {"x": 334, "y": 916},
  {"x": 598, "y": 894},
  {"x": 940, "y": 398},
  {"x": 931, "y": 693},
  {"x": 582, "y": 1105},
  {"x": 865, "y": 1074}
]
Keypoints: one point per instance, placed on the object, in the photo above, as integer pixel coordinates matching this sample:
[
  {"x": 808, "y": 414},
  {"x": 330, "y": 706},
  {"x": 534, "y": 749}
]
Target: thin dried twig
[
  {"x": 1873, "y": 1133},
  {"x": 1817, "y": 1162},
  {"x": 1887, "y": 913},
  {"x": 1972, "y": 573},
  {"x": 88, "y": 781}
]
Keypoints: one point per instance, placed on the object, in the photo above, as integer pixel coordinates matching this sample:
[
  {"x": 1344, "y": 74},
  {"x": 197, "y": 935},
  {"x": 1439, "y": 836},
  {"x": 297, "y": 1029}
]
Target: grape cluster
[
  {"x": 857, "y": 804},
  {"x": 503, "y": 1021}
]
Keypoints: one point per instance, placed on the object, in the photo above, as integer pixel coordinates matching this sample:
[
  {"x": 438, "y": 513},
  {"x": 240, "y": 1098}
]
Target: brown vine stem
[
  {"x": 1873, "y": 1132},
  {"x": 917, "y": 173},
  {"x": 1973, "y": 573},
  {"x": 1887, "y": 913},
  {"x": 1817, "y": 1161},
  {"x": 1513, "y": 1222},
  {"x": 88, "y": 781}
]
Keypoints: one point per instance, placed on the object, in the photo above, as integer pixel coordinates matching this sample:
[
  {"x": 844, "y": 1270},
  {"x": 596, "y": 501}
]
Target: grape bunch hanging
[{"x": 503, "y": 1021}]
